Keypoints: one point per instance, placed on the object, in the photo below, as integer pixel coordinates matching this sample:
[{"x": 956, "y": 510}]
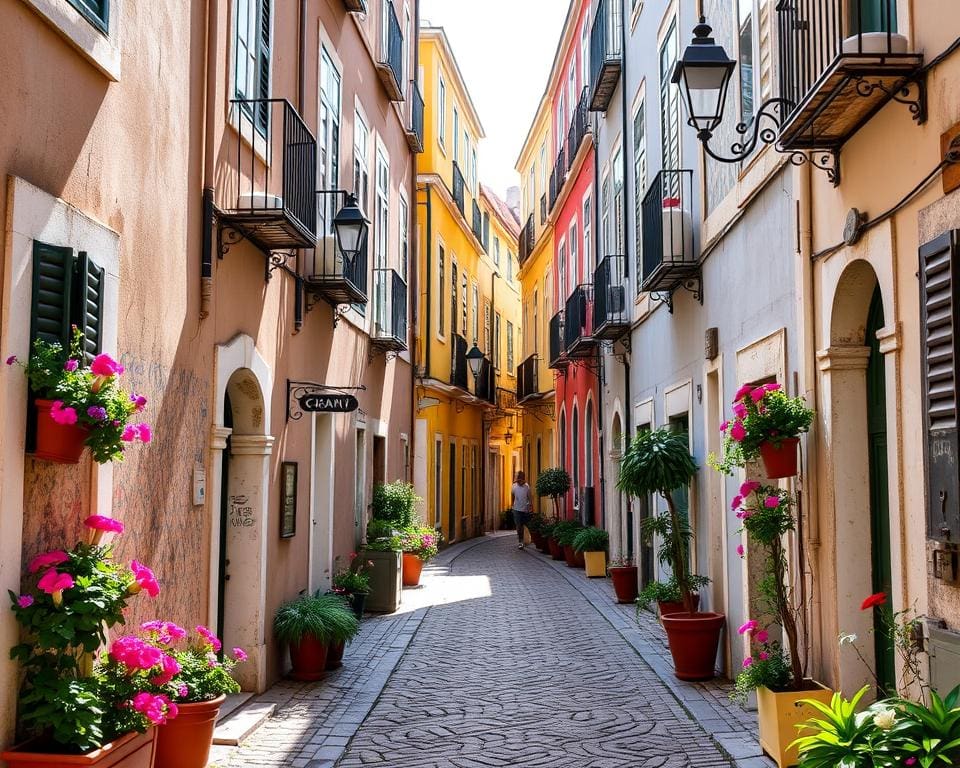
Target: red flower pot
[
  {"x": 570, "y": 556},
  {"x": 556, "y": 551},
  {"x": 625, "y": 583},
  {"x": 670, "y": 607},
  {"x": 694, "y": 639},
  {"x": 309, "y": 658},
  {"x": 335, "y": 654},
  {"x": 184, "y": 741},
  {"x": 61, "y": 443},
  {"x": 780, "y": 461},
  {"x": 412, "y": 567},
  {"x": 132, "y": 750}
]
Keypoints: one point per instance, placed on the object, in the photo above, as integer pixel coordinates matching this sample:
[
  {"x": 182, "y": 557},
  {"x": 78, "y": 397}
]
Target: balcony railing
[
  {"x": 840, "y": 62},
  {"x": 668, "y": 256},
  {"x": 527, "y": 239},
  {"x": 557, "y": 358},
  {"x": 389, "y": 310},
  {"x": 458, "y": 186},
  {"x": 557, "y": 177},
  {"x": 578, "y": 323},
  {"x": 486, "y": 387},
  {"x": 543, "y": 208},
  {"x": 355, "y": 6},
  {"x": 611, "y": 313},
  {"x": 477, "y": 227},
  {"x": 415, "y": 129},
  {"x": 268, "y": 196},
  {"x": 579, "y": 128},
  {"x": 390, "y": 60},
  {"x": 527, "y": 378},
  {"x": 326, "y": 271},
  {"x": 605, "y": 54},
  {"x": 458, "y": 363}
]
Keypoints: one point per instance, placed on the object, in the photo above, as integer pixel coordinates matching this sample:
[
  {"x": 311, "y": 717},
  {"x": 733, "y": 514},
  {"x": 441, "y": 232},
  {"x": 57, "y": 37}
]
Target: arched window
[
  {"x": 562, "y": 463},
  {"x": 588, "y": 446},
  {"x": 577, "y": 448}
]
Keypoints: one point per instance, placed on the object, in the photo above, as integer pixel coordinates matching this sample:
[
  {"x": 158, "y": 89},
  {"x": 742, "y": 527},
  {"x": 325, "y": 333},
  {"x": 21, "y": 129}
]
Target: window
[
  {"x": 407, "y": 37},
  {"x": 509, "y": 267},
  {"x": 496, "y": 250},
  {"x": 383, "y": 210},
  {"x": 440, "y": 267},
  {"x": 496, "y": 342},
  {"x": 252, "y": 76},
  {"x": 585, "y": 54},
  {"x": 476, "y": 313},
  {"x": 588, "y": 446},
  {"x": 532, "y": 190},
  {"x": 404, "y": 239},
  {"x": 473, "y": 168},
  {"x": 97, "y": 12},
  {"x": 669, "y": 103},
  {"x": 587, "y": 226},
  {"x": 639, "y": 179},
  {"x": 562, "y": 272},
  {"x": 572, "y": 93},
  {"x": 618, "y": 248},
  {"x": 463, "y": 300},
  {"x": 441, "y": 111},
  {"x": 575, "y": 266},
  {"x": 543, "y": 169},
  {"x": 606, "y": 238},
  {"x": 576, "y": 459},
  {"x": 563, "y": 440},
  {"x": 456, "y": 136},
  {"x": 438, "y": 480},
  {"x": 361, "y": 167},
  {"x": 453, "y": 297},
  {"x": 509, "y": 347},
  {"x": 745, "y": 8},
  {"x": 328, "y": 142},
  {"x": 487, "y": 341},
  {"x": 536, "y": 321}
]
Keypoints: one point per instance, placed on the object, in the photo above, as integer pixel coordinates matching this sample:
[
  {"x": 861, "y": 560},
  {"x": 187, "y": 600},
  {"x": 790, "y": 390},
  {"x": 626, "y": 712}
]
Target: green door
[{"x": 879, "y": 501}]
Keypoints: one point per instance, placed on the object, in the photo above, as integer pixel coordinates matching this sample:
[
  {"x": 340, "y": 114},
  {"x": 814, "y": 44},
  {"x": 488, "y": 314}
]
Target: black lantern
[
  {"x": 703, "y": 75},
  {"x": 475, "y": 360},
  {"x": 351, "y": 227}
]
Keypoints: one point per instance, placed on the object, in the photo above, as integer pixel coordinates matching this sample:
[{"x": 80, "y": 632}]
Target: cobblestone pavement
[{"x": 504, "y": 658}]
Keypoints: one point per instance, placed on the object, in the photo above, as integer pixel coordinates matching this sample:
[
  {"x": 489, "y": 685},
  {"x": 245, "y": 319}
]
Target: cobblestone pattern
[{"x": 525, "y": 673}]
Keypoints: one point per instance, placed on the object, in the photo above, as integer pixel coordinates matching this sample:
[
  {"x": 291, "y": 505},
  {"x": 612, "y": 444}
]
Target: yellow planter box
[
  {"x": 596, "y": 564},
  {"x": 779, "y": 714}
]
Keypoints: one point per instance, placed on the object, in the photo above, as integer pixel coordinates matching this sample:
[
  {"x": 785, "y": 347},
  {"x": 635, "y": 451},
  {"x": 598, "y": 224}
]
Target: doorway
[
  {"x": 321, "y": 503},
  {"x": 452, "y": 510}
]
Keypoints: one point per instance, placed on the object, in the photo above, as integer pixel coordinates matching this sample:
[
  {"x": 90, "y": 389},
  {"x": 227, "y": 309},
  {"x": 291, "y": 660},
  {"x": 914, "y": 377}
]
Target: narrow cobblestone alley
[{"x": 548, "y": 682}]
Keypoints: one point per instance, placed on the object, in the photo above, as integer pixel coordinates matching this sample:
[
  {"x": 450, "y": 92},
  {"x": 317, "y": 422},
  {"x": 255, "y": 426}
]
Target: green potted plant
[
  {"x": 80, "y": 405},
  {"x": 592, "y": 543},
  {"x": 659, "y": 462},
  {"x": 550, "y": 536},
  {"x": 623, "y": 574},
  {"x": 419, "y": 546},
  {"x": 565, "y": 532},
  {"x": 69, "y": 710},
  {"x": 301, "y": 625},
  {"x": 392, "y": 511},
  {"x": 666, "y": 594},
  {"x": 766, "y": 424},
  {"x": 535, "y": 525},
  {"x": 353, "y": 583},
  {"x": 555, "y": 483},
  {"x": 342, "y": 627}
]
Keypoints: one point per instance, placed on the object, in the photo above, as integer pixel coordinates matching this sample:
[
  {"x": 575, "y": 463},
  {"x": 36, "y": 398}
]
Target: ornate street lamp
[
  {"x": 351, "y": 228},
  {"x": 475, "y": 360}
]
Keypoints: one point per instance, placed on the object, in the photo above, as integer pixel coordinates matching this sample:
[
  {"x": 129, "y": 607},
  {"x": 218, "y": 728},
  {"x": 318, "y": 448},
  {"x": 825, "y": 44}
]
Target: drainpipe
[{"x": 210, "y": 90}]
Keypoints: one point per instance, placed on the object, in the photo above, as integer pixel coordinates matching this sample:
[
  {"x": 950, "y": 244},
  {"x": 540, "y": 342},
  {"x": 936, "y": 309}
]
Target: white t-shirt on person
[{"x": 522, "y": 499}]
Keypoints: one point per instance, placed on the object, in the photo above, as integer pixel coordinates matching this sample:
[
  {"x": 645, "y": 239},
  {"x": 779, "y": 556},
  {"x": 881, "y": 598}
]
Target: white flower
[
  {"x": 884, "y": 720},
  {"x": 847, "y": 638}
]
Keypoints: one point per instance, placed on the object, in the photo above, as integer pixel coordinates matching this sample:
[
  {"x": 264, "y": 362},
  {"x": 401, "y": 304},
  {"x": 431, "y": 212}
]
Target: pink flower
[
  {"x": 747, "y": 662},
  {"x": 47, "y": 559},
  {"x": 240, "y": 655},
  {"x": 910, "y": 761},
  {"x": 737, "y": 432},
  {"x": 764, "y": 655},
  {"x": 24, "y": 601},
  {"x": 134, "y": 653},
  {"x": 157, "y": 709},
  {"x": 746, "y": 514},
  {"x": 97, "y": 412},
  {"x": 209, "y": 637},
  {"x": 11, "y": 360},
  {"x": 771, "y": 502},
  {"x": 103, "y": 523},
  {"x": 762, "y": 636},
  {"x": 169, "y": 668},
  {"x": 740, "y": 549},
  {"x": 772, "y": 387},
  {"x": 750, "y": 626},
  {"x": 144, "y": 431},
  {"x": 757, "y": 394},
  {"x": 52, "y": 581},
  {"x": 129, "y": 433},
  {"x": 740, "y": 411},
  {"x": 71, "y": 365},
  {"x": 104, "y": 365},
  {"x": 742, "y": 392},
  {"x": 183, "y": 691},
  {"x": 723, "y": 427},
  {"x": 143, "y": 579},
  {"x": 61, "y": 414},
  {"x": 165, "y": 631},
  {"x": 749, "y": 487},
  {"x": 737, "y": 501},
  {"x": 139, "y": 402}
]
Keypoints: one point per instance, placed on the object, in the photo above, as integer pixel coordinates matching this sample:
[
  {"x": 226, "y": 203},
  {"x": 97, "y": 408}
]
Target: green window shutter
[
  {"x": 52, "y": 284},
  {"x": 86, "y": 308},
  {"x": 263, "y": 68}
]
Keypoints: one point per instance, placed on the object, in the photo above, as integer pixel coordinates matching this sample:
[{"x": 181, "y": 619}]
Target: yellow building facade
[
  {"x": 469, "y": 299},
  {"x": 535, "y": 388}
]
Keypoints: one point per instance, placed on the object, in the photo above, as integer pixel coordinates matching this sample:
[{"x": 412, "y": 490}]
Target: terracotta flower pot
[
  {"x": 780, "y": 712},
  {"x": 309, "y": 658},
  {"x": 625, "y": 583},
  {"x": 60, "y": 443},
  {"x": 570, "y": 556},
  {"x": 543, "y": 544},
  {"x": 335, "y": 654},
  {"x": 184, "y": 742},
  {"x": 556, "y": 551},
  {"x": 780, "y": 461},
  {"x": 694, "y": 638},
  {"x": 667, "y": 606},
  {"x": 412, "y": 567},
  {"x": 132, "y": 750}
]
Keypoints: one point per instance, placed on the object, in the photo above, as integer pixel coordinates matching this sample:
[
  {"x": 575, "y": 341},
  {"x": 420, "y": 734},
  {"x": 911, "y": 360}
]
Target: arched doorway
[
  {"x": 589, "y": 511},
  {"x": 575, "y": 480}
]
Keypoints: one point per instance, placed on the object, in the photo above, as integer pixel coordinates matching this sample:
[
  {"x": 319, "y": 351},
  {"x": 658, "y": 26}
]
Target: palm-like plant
[
  {"x": 659, "y": 462},
  {"x": 839, "y": 736}
]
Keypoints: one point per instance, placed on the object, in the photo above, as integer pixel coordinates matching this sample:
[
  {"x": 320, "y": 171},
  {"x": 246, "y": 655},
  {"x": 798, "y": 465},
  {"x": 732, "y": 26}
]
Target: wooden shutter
[
  {"x": 263, "y": 67},
  {"x": 50, "y": 305},
  {"x": 86, "y": 309},
  {"x": 939, "y": 350}
]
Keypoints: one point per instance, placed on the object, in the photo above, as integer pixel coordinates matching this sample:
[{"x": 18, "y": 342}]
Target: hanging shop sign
[
  {"x": 328, "y": 403},
  {"x": 309, "y": 397}
]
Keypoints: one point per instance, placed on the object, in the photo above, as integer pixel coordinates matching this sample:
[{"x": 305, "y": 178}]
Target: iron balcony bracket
[
  {"x": 665, "y": 296},
  {"x": 912, "y": 92},
  {"x": 278, "y": 260},
  {"x": 227, "y": 236}
]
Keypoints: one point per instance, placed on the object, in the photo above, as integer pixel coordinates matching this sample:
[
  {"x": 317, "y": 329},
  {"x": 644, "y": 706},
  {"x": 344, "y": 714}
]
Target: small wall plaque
[{"x": 288, "y": 499}]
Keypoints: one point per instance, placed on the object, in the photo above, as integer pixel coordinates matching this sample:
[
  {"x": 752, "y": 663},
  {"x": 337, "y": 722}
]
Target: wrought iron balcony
[
  {"x": 557, "y": 357},
  {"x": 579, "y": 128},
  {"x": 842, "y": 61},
  {"x": 611, "y": 312},
  {"x": 459, "y": 368},
  {"x": 326, "y": 271},
  {"x": 527, "y": 239},
  {"x": 543, "y": 208},
  {"x": 477, "y": 227},
  {"x": 415, "y": 129},
  {"x": 605, "y": 54},
  {"x": 557, "y": 177},
  {"x": 390, "y": 59},
  {"x": 578, "y": 323},
  {"x": 389, "y": 310},
  {"x": 355, "y": 6},
  {"x": 527, "y": 378},
  {"x": 668, "y": 257},
  {"x": 486, "y": 386},
  {"x": 268, "y": 196},
  {"x": 458, "y": 186}
]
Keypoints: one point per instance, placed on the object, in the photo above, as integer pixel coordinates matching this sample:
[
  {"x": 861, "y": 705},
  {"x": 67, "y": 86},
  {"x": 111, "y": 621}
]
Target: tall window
[
  {"x": 574, "y": 265},
  {"x": 328, "y": 141},
  {"x": 543, "y": 168},
  {"x": 438, "y": 480},
  {"x": 563, "y": 441},
  {"x": 639, "y": 179},
  {"x": 745, "y": 8},
  {"x": 440, "y": 269},
  {"x": 496, "y": 342},
  {"x": 536, "y": 321},
  {"x": 404, "y": 239},
  {"x": 606, "y": 240},
  {"x": 532, "y": 190},
  {"x": 441, "y": 111},
  {"x": 669, "y": 102},
  {"x": 576, "y": 459},
  {"x": 585, "y": 55},
  {"x": 456, "y": 136},
  {"x": 383, "y": 209},
  {"x": 487, "y": 339},
  {"x": 588, "y": 446},
  {"x": 496, "y": 250},
  {"x": 473, "y": 169},
  {"x": 587, "y": 228},
  {"x": 509, "y": 267},
  {"x": 572, "y": 94},
  {"x": 509, "y": 347},
  {"x": 562, "y": 273},
  {"x": 476, "y": 313},
  {"x": 252, "y": 78},
  {"x": 361, "y": 163},
  {"x": 463, "y": 301},
  {"x": 618, "y": 202},
  {"x": 454, "y": 309}
]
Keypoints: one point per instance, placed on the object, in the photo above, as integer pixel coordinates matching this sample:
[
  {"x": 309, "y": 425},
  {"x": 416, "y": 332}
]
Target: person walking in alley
[{"x": 522, "y": 500}]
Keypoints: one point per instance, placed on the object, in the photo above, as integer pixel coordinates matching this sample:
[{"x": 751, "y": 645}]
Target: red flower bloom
[{"x": 880, "y": 598}]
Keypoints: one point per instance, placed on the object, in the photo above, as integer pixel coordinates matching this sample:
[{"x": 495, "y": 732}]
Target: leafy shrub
[
  {"x": 591, "y": 539},
  {"x": 325, "y": 617},
  {"x": 565, "y": 531},
  {"x": 395, "y": 503}
]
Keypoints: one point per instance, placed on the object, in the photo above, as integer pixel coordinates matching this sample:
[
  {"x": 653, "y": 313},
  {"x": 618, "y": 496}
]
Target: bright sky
[{"x": 505, "y": 49}]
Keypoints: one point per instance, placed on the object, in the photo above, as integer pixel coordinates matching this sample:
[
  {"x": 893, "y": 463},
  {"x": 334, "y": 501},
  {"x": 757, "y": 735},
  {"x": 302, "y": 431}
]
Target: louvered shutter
[
  {"x": 86, "y": 309},
  {"x": 50, "y": 305},
  {"x": 263, "y": 67},
  {"x": 939, "y": 350}
]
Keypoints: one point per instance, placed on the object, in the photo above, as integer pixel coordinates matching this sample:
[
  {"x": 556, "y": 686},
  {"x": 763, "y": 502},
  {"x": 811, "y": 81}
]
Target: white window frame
[
  {"x": 588, "y": 256},
  {"x": 442, "y": 276},
  {"x": 438, "y": 456},
  {"x": 562, "y": 293},
  {"x": 382, "y": 221},
  {"x": 456, "y": 135},
  {"x": 361, "y": 160},
  {"x": 475, "y": 317},
  {"x": 328, "y": 135},
  {"x": 441, "y": 111},
  {"x": 510, "y": 348},
  {"x": 404, "y": 223},
  {"x": 585, "y": 53},
  {"x": 619, "y": 224},
  {"x": 573, "y": 253}
]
